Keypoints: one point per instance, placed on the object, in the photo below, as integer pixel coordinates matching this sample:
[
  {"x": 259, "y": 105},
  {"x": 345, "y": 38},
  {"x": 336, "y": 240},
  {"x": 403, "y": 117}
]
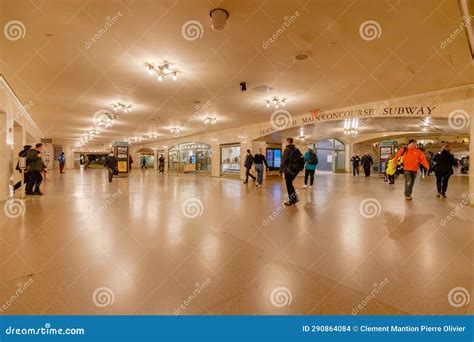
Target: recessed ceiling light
[{"x": 301, "y": 56}]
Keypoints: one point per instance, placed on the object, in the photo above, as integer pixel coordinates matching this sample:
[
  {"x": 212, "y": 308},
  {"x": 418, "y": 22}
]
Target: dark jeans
[
  {"x": 410, "y": 177},
  {"x": 391, "y": 179},
  {"x": 34, "y": 181},
  {"x": 247, "y": 174},
  {"x": 355, "y": 169},
  {"x": 310, "y": 174},
  {"x": 61, "y": 168},
  {"x": 18, "y": 184},
  {"x": 367, "y": 170},
  {"x": 161, "y": 168},
  {"x": 111, "y": 173},
  {"x": 289, "y": 178},
  {"x": 259, "y": 169},
  {"x": 442, "y": 179}
]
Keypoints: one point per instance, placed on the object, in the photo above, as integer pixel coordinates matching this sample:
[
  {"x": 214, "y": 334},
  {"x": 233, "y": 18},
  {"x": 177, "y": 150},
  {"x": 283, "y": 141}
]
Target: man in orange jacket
[{"x": 412, "y": 158}]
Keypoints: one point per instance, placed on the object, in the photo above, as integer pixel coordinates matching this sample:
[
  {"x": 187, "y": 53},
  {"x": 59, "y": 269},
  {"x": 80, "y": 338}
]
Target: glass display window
[{"x": 230, "y": 160}]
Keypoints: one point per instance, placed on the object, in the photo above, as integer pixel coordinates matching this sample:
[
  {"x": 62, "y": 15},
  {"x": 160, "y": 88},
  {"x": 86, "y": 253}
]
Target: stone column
[
  {"x": 4, "y": 160},
  {"x": 155, "y": 159},
  {"x": 471, "y": 165}
]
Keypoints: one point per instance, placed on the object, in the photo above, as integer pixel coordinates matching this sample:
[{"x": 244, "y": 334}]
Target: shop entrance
[
  {"x": 191, "y": 157},
  {"x": 331, "y": 155}
]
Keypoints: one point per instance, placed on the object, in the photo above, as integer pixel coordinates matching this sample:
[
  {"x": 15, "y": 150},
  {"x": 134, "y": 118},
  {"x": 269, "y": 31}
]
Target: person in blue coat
[{"x": 311, "y": 162}]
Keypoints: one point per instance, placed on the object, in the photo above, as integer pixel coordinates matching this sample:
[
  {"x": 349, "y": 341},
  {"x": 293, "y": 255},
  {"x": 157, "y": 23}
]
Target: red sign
[{"x": 315, "y": 112}]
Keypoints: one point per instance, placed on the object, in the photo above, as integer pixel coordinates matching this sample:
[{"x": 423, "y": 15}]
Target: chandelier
[
  {"x": 162, "y": 71},
  {"x": 123, "y": 107},
  {"x": 351, "y": 127},
  {"x": 209, "y": 120},
  {"x": 276, "y": 102}
]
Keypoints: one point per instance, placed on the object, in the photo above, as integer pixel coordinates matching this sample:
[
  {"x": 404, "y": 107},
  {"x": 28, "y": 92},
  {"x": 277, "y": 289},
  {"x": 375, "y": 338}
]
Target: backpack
[
  {"x": 296, "y": 161},
  {"x": 313, "y": 158}
]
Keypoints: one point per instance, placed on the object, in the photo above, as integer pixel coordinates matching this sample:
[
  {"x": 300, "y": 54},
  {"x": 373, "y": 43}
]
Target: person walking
[
  {"x": 142, "y": 162},
  {"x": 430, "y": 162},
  {"x": 161, "y": 164},
  {"x": 412, "y": 158},
  {"x": 22, "y": 154},
  {"x": 130, "y": 162},
  {"x": 367, "y": 163},
  {"x": 292, "y": 162},
  {"x": 259, "y": 160},
  {"x": 444, "y": 162},
  {"x": 62, "y": 162},
  {"x": 355, "y": 164},
  {"x": 391, "y": 170},
  {"x": 111, "y": 164},
  {"x": 248, "y": 165},
  {"x": 35, "y": 165},
  {"x": 311, "y": 161},
  {"x": 86, "y": 162}
]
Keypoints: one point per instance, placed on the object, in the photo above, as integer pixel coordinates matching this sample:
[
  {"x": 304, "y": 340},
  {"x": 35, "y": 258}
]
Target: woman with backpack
[{"x": 311, "y": 161}]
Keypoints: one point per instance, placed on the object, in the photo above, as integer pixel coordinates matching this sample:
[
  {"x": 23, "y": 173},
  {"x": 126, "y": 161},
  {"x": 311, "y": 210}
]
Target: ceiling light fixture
[
  {"x": 162, "y": 70},
  {"x": 175, "y": 130},
  {"x": 210, "y": 120},
  {"x": 153, "y": 135},
  {"x": 351, "y": 127},
  {"x": 123, "y": 107},
  {"x": 276, "y": 102}
]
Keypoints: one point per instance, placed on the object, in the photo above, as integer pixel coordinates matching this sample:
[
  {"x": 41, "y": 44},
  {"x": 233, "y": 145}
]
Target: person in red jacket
[{"x": 412, "y": 158}]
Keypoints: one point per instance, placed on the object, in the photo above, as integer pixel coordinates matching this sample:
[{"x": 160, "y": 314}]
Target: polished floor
[{"x": 152, "y": 244}]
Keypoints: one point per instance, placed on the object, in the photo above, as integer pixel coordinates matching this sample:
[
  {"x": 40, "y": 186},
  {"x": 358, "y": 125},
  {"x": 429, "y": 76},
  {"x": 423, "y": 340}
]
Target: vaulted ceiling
[{"x": 73, "y": 58}]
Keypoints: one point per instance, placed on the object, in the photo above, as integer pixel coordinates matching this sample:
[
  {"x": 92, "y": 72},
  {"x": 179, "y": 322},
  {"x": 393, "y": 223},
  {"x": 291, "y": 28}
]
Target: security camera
[{"x": 243, "y": 86}]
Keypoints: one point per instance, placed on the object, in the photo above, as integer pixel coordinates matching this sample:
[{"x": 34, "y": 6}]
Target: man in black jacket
[
  {"x": 367, "y": 163},
  {"x": 443, "y": 168},
  {"x": 248, "y": 165},
  {"x": 355, "y": 164},
  {"x": 287, "y": 167},
  {"x": 35, "y": 165},
  {"x": 111, "y": 164}
]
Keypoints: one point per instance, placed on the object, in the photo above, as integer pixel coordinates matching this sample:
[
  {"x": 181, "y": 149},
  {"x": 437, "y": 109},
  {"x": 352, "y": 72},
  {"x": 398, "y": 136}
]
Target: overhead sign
[{"x": 369, "y": 113}]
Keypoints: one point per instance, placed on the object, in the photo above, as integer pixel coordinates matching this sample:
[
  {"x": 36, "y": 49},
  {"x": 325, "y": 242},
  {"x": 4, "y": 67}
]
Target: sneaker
[
  {"x": 38, "y": 193},
  {"x": 245, "y": 182},
  {"x": 304, "y": 186},
  {"x": 444, "y": 196},
  {"x": 408, "y": 198},
  {"x": 290, "y": 204},
  {"x": 438, "y": 194},
  {"x": 28, "y": 193}
]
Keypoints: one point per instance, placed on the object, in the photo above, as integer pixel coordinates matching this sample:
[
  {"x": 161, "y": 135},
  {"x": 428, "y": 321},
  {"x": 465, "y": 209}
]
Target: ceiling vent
[{"x": 263, "y": 89}]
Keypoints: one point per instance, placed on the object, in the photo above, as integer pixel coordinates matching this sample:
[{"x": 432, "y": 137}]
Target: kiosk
[{"x": 122, "y": 153}]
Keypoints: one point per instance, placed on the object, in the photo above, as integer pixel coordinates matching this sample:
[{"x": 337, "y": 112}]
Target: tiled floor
[{"x": 152, "y": 244}]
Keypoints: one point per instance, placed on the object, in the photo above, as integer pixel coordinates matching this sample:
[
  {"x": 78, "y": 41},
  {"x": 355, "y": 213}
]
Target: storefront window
[
  {"x": 230, "y": 160},
  {"x": 190, "y": 158},
  {"x": 331, "y": 155}
]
